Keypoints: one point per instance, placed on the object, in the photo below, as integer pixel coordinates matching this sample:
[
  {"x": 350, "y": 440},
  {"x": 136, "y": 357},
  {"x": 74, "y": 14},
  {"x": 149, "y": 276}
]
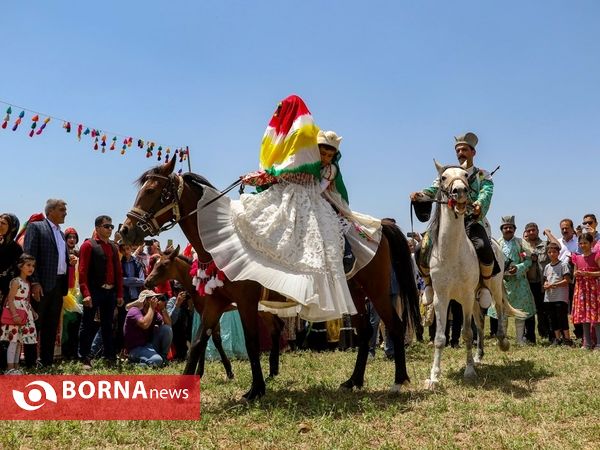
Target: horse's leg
[
  {"x": 274, "y": 325},
  {"x": 210, "y": 321},
  {"x": 479, "y": 324},
  {"x": 363, "y": 326},
  {"x": 248, "y": 309},
  {"x": 467, "y": 334},
  {"x": 216, "y": 337},
  {"x": 503, "y": 342},
  {"x": 440, "y": 307},
  {"x": 396, "y": 329}
]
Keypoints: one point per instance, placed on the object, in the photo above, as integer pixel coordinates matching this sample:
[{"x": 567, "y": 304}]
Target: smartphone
[
  {"x": 410, "y": 234},
  {"x": 169, "y": 243}
]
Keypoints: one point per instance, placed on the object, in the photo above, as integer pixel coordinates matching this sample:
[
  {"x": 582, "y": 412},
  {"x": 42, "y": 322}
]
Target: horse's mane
[
  {"x": 144, "y": 177},
  {"x": 434, "y": 224},
  {"x": 190, "y": 177},
  {"x": 194, "y": 178}
]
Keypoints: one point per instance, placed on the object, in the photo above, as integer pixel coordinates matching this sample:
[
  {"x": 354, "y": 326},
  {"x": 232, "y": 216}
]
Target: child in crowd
[
  {"x": 586, "y": 300},
  {"x": 556, "y": 297},
  {"x": 21, "y": 328}
]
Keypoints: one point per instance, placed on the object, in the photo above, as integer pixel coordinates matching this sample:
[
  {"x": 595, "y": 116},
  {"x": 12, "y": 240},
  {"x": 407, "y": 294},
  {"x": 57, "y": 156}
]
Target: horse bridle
[
  {"x": 146, "y": 221},
  {"x": 169, "y": 200}
]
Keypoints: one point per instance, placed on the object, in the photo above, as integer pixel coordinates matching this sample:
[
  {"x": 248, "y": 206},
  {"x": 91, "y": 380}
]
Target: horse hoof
[
  {"x": 253, "y": 394},
  {"x": 478, "y": 359},
  {"x": 504, "y": 344},
  {"x": 229, "y": 376},
  {"x": 350, "y": 384},
  {"x": 470, "y": 374},
  {"x": 432, "y": 385},
  {"x": 397, "y": 388}
]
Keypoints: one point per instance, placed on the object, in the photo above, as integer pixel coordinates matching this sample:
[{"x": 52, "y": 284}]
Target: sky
[{"x": 397, "y": 79}]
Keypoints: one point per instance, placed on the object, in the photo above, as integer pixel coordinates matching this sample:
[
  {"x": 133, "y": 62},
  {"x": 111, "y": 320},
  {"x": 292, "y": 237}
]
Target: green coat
[{"x": 517, "y": 286}]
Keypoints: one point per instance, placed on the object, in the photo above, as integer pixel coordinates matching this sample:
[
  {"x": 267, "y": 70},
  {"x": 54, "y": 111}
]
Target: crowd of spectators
[{"x": 86, "y": 301}]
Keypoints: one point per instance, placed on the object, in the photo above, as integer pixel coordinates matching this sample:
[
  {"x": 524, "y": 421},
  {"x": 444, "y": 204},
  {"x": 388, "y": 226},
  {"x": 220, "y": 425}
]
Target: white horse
[{"x": 454, "y": 271}]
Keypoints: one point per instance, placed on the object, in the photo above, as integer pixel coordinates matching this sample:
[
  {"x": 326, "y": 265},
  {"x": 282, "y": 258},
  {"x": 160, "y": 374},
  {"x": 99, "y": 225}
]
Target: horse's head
[
  {"x": 163, "y": 269},
  {"x": 454, "y": 186},
  {"x": 156, "y": 206}
]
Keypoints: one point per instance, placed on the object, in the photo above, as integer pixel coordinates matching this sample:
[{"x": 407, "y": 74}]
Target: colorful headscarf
[
  {"x": 289, "y": 144},
  {"x": 37, "y": 217},
  {"x": 72, "y": 231}
]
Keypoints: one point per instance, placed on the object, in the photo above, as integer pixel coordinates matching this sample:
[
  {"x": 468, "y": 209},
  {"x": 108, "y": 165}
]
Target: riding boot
[
  {"x": 349, "y": 258},
  {"x": 484, "y": 296}
]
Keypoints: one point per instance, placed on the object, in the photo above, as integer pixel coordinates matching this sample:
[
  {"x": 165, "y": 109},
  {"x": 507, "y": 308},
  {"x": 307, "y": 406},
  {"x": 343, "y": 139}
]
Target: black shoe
[
  {"x": 87, "y": 363},
  {"x": 568, "y": 342},
  {"x": 349, "y": 259}
]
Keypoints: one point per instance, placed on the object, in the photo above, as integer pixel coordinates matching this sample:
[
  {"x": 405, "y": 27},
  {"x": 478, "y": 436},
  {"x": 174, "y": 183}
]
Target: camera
[{"x": 148, "y": 242}]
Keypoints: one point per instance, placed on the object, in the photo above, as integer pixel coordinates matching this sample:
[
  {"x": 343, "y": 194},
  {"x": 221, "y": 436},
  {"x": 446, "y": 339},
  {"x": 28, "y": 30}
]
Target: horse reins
[
  {"x": 147, "y": 222},
  {"x": 435, "y": 200}
]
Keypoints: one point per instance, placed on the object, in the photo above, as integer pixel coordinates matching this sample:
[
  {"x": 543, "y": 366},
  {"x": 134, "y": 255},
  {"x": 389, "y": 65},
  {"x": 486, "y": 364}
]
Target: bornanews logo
[{"x": 100, "y": 397}]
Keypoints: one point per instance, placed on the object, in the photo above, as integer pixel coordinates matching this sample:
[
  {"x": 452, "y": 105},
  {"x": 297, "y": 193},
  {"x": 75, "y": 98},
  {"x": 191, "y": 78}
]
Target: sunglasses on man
[{"x": 107, "y": 226}]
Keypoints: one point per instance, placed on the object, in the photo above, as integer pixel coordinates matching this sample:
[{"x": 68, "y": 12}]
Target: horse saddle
[{"x": 272, "y": 299}]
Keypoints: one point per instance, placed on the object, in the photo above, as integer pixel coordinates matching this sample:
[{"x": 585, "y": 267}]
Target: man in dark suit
[{"x": 46, "y": 242}]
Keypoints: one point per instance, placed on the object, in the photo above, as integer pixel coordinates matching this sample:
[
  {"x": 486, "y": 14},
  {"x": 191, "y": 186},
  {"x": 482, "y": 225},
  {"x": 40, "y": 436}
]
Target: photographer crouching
[{"x": 147, "y": 330}]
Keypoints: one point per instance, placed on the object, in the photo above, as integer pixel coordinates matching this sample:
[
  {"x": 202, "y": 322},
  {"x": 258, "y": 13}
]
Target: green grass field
[{"x": 530, "y": 397}]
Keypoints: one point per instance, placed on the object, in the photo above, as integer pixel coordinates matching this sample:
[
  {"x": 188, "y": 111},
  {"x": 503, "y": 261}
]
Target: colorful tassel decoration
[
  {"x": 18, "y": 121},
  {"x": 7, "y": 117},
  {"x": 79, "y": 131},
  {"x": 112, "y": 145},
  {"x": 34, "y": 121},
  {"x": 44, "y": 123},
  {"x": 86, "y": 132},
  {"x": 67, "y": 126}
]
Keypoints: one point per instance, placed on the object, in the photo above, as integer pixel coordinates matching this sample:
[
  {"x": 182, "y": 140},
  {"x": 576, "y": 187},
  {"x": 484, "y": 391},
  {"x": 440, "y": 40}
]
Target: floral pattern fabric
[
  {"x": 25, "y": 334},
  {"x": 586, "y": 303}
]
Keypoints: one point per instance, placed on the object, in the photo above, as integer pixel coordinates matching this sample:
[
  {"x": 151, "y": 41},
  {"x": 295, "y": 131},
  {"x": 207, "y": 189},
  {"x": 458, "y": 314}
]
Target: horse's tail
[
  {"x": 402, "y": 265},
  {"x": 508, "y": 310}
]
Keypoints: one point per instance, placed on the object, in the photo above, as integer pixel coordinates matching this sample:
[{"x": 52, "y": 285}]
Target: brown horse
[
  {"x": 166, "y": 199},
  {"x": 172, "y": 266},
  {"x": 168, "y": 268}
]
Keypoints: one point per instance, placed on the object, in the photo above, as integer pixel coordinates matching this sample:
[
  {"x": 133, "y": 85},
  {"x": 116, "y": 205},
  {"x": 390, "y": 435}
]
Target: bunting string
[{"x": 100, "y": 139}]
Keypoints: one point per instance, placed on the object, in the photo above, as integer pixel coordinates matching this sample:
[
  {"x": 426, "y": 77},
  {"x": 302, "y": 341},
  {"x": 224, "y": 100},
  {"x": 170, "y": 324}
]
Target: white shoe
[
  {"x": 13, "y": 372},
  {"x": 484, "y": 297},
  {"x": 427, "y": 296}
]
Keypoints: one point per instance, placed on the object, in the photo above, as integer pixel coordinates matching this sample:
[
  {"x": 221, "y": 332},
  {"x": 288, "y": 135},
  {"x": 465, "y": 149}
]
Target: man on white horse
[{"x": 481, "y": 189}]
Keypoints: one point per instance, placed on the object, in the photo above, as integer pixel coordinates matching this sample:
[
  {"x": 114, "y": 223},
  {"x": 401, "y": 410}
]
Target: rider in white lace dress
[{"x": 287, "y": 237}]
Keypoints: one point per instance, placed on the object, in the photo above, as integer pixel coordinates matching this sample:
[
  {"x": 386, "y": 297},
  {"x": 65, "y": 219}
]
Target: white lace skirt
[{"x": 288, "y": 239}]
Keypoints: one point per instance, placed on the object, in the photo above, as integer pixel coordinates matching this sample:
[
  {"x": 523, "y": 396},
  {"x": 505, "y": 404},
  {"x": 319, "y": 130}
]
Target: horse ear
[
  {"x": 168, "y": 168},
  {"x": 175, "y": 252},
  {"x": 438, "y": 167}
]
